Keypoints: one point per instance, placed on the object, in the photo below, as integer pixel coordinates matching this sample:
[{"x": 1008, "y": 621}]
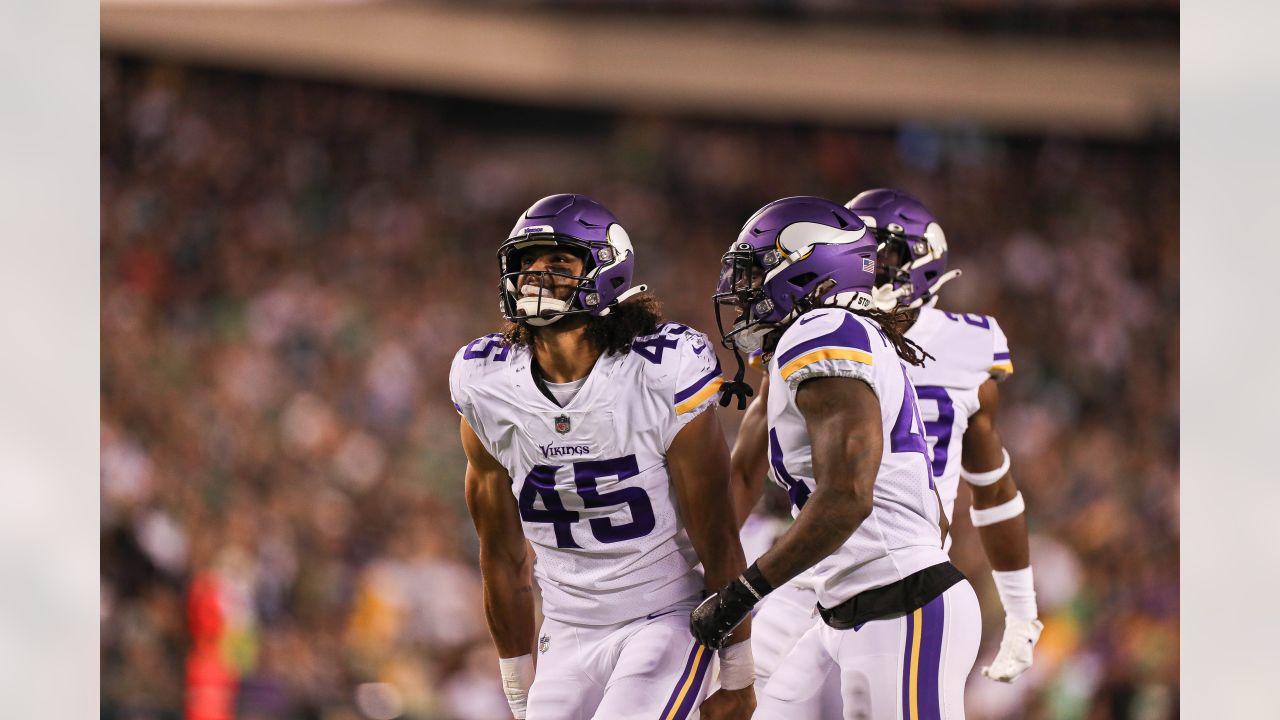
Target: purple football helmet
[
  {"x": 912, "y": 262},
  {"x": 590, "y": 231},
  {"x": 792, "y": 255}
]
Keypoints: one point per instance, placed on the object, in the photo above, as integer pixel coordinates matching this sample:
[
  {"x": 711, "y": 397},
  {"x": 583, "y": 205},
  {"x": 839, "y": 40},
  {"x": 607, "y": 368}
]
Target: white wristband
[
  {"x": 517, "y": 676},
  {"x": 990, "y": 477},
  {"x": 737, "y": 666},
  {"x": 992, "y": 515},
  {"x": 1017, "y": 593}
]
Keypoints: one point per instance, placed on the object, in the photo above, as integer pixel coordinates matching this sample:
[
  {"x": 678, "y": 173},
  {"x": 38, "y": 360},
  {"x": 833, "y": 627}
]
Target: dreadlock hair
[
  {"x": 894, "y": 323},
  {"x": 635, "y": 317}
]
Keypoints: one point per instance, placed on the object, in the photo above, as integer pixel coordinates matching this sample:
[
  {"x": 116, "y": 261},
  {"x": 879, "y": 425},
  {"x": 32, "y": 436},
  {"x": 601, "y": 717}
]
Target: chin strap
[{"x": 737, "y": 387}]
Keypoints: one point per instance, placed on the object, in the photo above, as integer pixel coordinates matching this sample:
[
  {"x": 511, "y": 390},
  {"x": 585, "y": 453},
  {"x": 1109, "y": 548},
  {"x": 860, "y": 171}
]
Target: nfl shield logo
[
  {"x": 562, "y": 424},
  {"x": 544, "y": 644}
]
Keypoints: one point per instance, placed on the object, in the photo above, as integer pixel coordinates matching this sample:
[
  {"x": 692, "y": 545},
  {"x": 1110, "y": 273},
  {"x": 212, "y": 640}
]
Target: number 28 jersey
[
  {"x": 967, "y": 350},
  {"x": 901, "y": 535},
  {"x": 590, "y": 478}
]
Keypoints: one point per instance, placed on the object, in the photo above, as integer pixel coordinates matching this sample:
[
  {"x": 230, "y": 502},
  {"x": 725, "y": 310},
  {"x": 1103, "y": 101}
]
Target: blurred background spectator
[{"x": 288, "y": 267}]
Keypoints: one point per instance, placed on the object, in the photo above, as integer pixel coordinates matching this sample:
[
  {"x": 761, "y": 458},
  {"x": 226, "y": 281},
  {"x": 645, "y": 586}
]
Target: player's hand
[
  {"x": 717, "y": 616},
  {"x": 729, "y": 704},
  {"x": 1014, "y": 658}
]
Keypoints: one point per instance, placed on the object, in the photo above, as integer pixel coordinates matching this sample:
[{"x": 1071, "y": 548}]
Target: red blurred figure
[{"x": 211, "y": 680}]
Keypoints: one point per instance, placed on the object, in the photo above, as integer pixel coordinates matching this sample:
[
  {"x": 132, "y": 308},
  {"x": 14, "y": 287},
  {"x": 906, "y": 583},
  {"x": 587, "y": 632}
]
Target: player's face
[
  {"x": 891, "y": 256},
  {"x": 557, "y": 260}
]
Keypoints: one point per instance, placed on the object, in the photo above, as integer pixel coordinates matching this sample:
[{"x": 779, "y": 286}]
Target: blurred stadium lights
[{"x": 745, "y": 66}]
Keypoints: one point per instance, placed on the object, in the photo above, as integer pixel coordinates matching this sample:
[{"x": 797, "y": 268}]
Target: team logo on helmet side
[{"x": 792, "y": 255}]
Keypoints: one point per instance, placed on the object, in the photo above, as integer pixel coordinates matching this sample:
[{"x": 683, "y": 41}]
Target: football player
[
  {"x": 959, "y": 400},
  {"x": 586, "y": 431},
  {"x": 900, "y": 624}
]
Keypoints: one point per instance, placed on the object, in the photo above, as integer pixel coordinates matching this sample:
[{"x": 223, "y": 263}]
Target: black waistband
[{"x": 904, "y": 596}]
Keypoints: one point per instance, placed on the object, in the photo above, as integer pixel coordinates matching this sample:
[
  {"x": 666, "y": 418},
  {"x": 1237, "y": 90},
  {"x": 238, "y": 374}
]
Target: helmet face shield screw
[
  {"x": 605, "y": 255},
  {"x": 592, "y": 299}
]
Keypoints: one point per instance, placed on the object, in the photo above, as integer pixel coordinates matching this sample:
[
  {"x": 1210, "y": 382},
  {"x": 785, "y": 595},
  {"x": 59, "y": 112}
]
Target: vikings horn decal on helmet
[
  {"x": 793, "y": 254},
  {"x": 912, "y": 263},
  {"x": 588, "y": 229}
]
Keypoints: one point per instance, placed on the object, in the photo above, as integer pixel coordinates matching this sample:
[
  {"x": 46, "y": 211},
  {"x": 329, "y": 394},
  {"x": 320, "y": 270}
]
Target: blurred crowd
[{"x": 288, "y": 267}]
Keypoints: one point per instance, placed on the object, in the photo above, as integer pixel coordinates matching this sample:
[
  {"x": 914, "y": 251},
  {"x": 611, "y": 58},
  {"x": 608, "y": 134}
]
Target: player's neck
[{"x": 564, "y": 354}]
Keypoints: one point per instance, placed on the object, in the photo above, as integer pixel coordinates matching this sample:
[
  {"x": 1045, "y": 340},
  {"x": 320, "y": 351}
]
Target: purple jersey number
[
  {"x": 540, "y": 483},
  {"x": 796, "y": 490},
  {"x": 651, "y": 349},
  {"x": 981, "y": 321},
  {"x": 940, "y": 429},
  {"x": 906, "y": 435},
  {"x": 481, "y": 347}
]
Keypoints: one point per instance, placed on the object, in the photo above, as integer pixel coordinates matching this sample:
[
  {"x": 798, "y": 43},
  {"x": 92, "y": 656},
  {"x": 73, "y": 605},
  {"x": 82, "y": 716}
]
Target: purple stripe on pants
[
  {"x": 693, "y": 653},
  {"x": 927, "y": 692},
  {"x": 906, "y": 665},
  {"x": 691, "y": 697}
]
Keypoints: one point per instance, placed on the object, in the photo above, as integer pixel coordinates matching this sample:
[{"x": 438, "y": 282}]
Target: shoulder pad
[{"x": 826, "y": 334}]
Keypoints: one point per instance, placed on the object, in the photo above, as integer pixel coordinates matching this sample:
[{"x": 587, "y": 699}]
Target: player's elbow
[{"x": 985, "y": 496}]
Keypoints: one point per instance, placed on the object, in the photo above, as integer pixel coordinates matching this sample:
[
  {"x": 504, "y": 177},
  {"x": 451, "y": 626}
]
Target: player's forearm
[
  {"x": 508, "y": 607},
  {"x": 747, "y": 485},
  {"x": 1004, "y": 542},
  {"x": 719, "y": 549},
  {"x": 749, "y": 461},
  {"x": 825, "y": 523}
]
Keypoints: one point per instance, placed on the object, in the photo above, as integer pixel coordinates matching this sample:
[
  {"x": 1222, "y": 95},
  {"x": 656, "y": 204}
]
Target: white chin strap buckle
[
  {"x": 751, "y": 340},
  {"x": 541, "y": 310}
]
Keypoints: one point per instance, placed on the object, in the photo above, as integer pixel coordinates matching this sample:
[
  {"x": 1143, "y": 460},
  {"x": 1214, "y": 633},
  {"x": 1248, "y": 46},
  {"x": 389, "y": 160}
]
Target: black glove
[{"x": 717, "y": 616}]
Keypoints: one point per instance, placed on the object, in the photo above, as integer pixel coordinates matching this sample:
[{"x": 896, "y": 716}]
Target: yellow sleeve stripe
[
  {"x": 861, "y": 356},
  {"x": 699, "y": 397},
  {"x": 1005, "y": 367}
]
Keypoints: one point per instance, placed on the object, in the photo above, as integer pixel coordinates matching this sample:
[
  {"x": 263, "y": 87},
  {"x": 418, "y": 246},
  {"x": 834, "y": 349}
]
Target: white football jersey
[
  {"x": 901, "y": 536},
  {"x": 966, "y": 349},
  {"x": 590, "y": 478}
]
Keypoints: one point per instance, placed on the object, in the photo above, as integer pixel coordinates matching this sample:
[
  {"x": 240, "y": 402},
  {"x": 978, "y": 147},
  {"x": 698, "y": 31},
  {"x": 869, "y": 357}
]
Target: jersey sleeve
[
  {"x": 698, "y": 376},
  {"x": 828, "y": 343},
  {"x": 458, "y": 383},
  {"x": 1001, "y": 362},
  {"x": 468, "y": 362}
]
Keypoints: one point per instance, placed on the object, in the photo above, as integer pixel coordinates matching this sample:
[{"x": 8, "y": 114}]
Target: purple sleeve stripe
[
  {"x": 700, "y": 383},
  {"x": 1002, "y": 356},
  {"x": 457, "y": 407},
  {"x": 850, "y": 334}
]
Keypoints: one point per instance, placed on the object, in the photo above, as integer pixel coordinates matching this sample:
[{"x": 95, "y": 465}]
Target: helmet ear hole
[
  {"x": 616, "y": 282},
  {"x": 930, "y": 275},
  {"x": 803, "y": 279}
]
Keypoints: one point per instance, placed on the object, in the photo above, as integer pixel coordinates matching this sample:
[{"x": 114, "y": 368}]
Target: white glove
[
  {"x": 1014, "y": 658},
  {"x": 517, "y": 676}
]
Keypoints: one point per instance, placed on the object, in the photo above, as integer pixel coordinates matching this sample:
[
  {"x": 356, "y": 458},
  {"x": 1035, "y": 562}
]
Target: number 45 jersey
[
  {"x": 902, "y": 535},
  {"x": 966, "y": 350},
  {"x": 590, "y": 478}
]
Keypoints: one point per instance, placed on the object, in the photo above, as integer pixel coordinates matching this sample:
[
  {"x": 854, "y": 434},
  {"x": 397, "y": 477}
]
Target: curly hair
[{"x": 637, "y": 316}]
